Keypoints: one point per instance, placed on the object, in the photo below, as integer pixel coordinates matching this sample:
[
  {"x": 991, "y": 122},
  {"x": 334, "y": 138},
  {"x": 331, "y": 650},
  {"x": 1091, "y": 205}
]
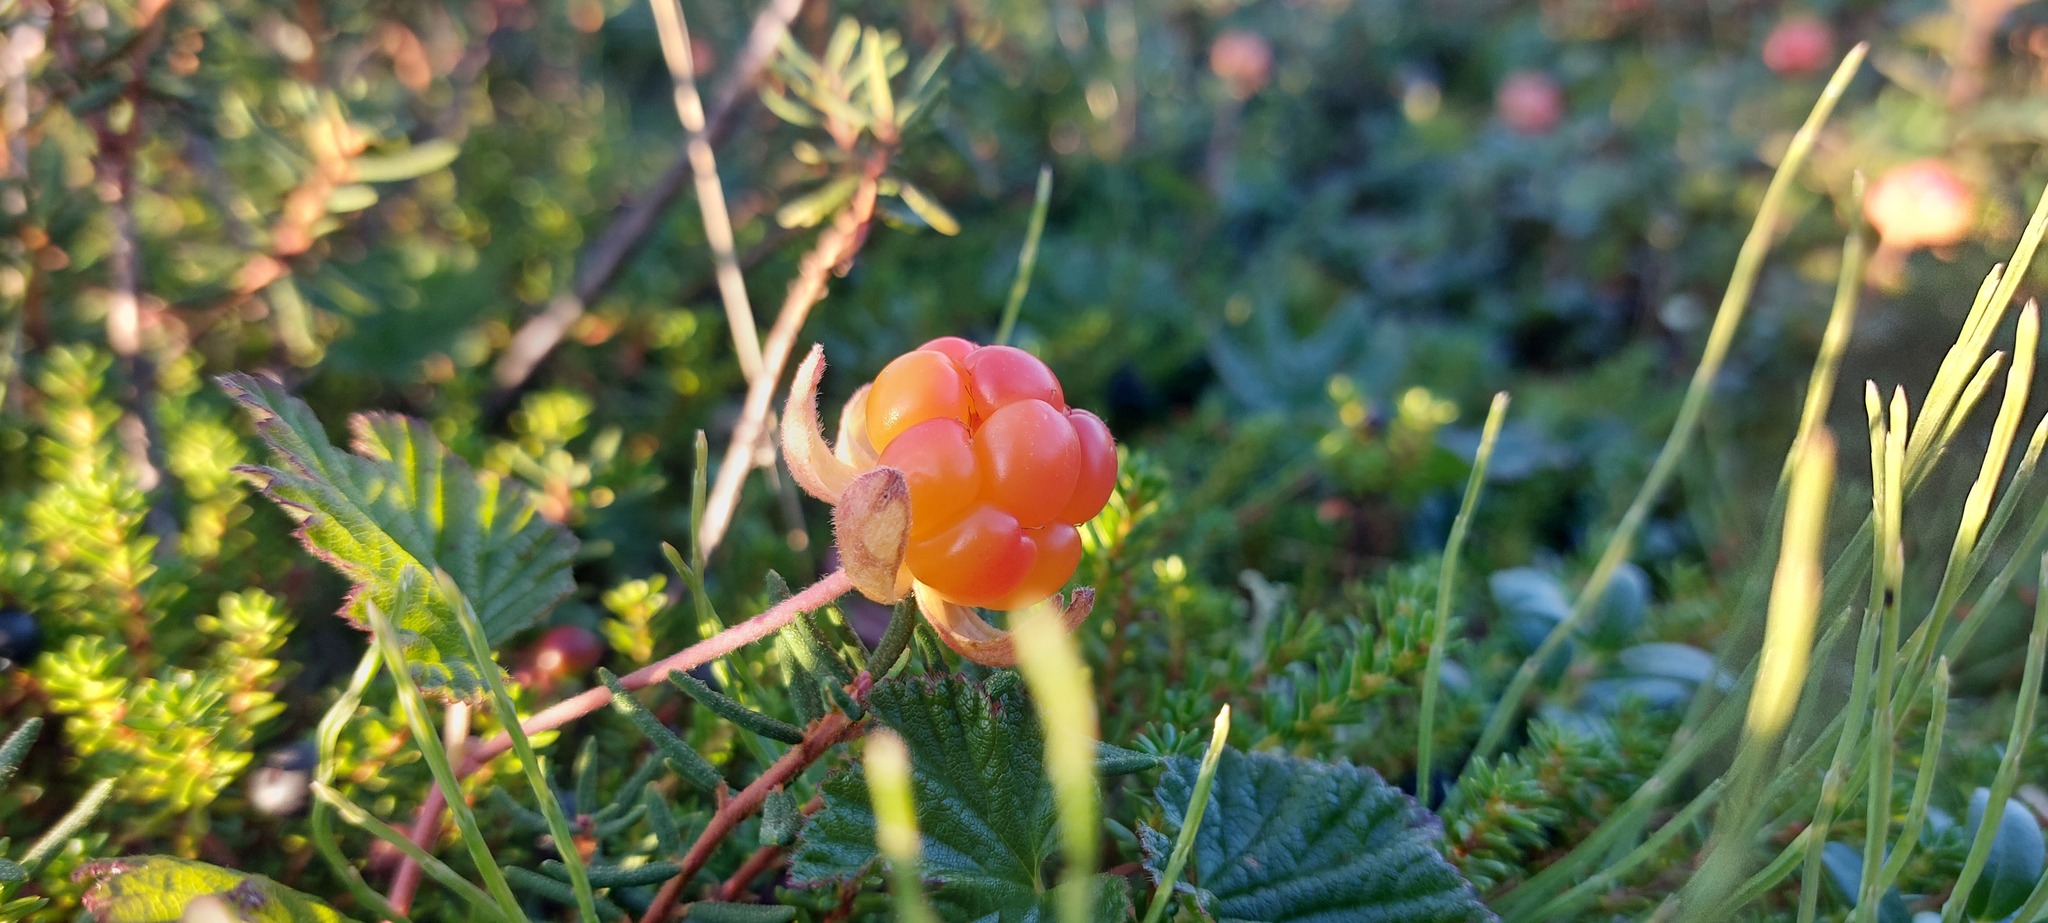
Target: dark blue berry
[{"x": 21, "y": 639}]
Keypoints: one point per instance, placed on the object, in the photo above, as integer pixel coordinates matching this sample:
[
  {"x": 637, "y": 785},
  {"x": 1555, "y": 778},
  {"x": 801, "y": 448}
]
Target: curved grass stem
[{"x": 1748, "y": 264}]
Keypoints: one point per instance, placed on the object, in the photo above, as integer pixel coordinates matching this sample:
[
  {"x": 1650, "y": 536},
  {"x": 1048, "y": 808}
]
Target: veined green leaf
[
  {"x": 403, "y": 500},
  {"x": 984, "y": 807},
  {"x": 1308, "y": 842},
  {"x": 156, "y": 889}
]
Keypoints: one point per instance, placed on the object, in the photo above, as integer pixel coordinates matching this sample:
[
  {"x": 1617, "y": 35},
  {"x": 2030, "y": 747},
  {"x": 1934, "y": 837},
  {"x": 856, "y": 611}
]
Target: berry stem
[
  {"x": 827, "y": 733},
  {"x": 816, "y": 596}
]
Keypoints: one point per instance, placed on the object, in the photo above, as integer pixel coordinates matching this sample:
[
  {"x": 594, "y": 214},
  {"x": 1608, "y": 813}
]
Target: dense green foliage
[{"x": 1289, "y": 251}]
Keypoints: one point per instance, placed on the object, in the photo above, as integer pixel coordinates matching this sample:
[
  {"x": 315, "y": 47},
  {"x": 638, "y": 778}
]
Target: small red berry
[
  {"x": 1243, "y": 60},
  {"x": 1529, "y": 102},
  {"x": 1925, "y": 203},
  {"x": 565, "y": 651},
  {"x": 1800, "y": 45}
]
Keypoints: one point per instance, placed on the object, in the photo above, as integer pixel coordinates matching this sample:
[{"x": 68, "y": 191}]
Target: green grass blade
[
  {"x": 529, "y": 762},
  {"x": 326, "y": 737},
  {"x": 2007, "y": 778},
  {"x": 887, "y": 762},
  {"x": 1447, "y": 578},
  {"x": 429, "y": 742},
  {"x": 1198, "y": 804},
  {"x": 1780, "y": 679},
  {"x": 1748, "y": 264},
  {"x": 1820, "y": 384},
  {"x": 1064, "y": 694},
  {"x": 1923, "y": 785},
  {"x": 1027, "y": 258},
  {"x": 361, "y": 819}
]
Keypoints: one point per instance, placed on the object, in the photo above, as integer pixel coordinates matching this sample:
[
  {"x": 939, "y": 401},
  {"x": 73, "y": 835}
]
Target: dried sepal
[
  {"x": 871, "y": 522},
  {"x": 811, "y": 462},
  {"x": 968, "y": 634},
  {"x": 852, "y": 446}
]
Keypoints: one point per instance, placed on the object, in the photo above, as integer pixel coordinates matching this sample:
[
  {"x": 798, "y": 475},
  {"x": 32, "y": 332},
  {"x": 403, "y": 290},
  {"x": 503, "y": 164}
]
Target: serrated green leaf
[
  {"x": 984, "y": 807},
  {"x": 403, "y": 500},
  {"x": 1308, "y": 842},
  {"x": 156, "y": 889},
  {"x": 1109, "y": 901},
  {"x": 722, "y": 912}
]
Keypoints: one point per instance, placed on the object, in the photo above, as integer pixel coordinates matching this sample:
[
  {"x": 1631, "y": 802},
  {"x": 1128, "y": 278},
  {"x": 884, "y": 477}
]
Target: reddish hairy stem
[
  {"x": 761, "y": 861},
  {"x": 405, "y": 883},
  {"x": 816, "y": 596},
  {"x": 827, "y": 733},
  {"x": 427, "y": 825}
]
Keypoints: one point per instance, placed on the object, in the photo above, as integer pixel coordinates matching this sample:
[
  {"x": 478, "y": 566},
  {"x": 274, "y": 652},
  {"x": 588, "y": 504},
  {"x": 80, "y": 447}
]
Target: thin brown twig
[
  {"x": 732, "y": 289},
  {"x": 834, "y": 250},
  {"x": 629, "y": 231},
  {"x": 822, "y": 736},
  {"x": 762, "y": 860},
  {"x": 114, "y": 163}
]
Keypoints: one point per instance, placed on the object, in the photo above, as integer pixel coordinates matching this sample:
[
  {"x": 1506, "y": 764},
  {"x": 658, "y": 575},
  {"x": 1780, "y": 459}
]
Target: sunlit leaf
[
  {"x": 403, "y": 500},
  {"x": 928, "y": 209},
  {"x": 157, "y": 889},
  {"x": 1310, "y": 842},
  {"x": 814, "y": 207},
  {"x": 411, "y": 163},
  {"x": 984, "y": 806}
]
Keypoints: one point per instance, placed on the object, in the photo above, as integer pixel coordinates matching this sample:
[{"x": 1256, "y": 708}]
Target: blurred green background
[{"x": 1292, "y": 249}]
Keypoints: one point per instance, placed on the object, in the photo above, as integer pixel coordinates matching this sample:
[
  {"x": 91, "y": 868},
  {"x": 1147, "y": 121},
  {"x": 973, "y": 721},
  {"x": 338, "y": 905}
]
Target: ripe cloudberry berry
[{"x": 1000, "y": 470}]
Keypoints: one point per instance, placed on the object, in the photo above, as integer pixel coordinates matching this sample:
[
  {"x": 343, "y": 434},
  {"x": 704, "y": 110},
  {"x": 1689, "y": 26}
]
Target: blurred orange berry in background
[
  {"x": 1243, "y": 60},
  {"x": 1800, "y": 45},
  {"x": 1529, "y": 102},
  {"x": 1925, "y": 203}
]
